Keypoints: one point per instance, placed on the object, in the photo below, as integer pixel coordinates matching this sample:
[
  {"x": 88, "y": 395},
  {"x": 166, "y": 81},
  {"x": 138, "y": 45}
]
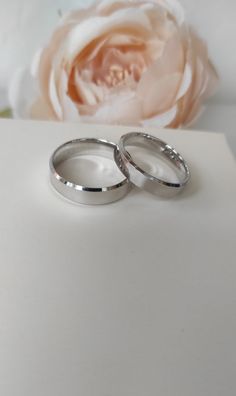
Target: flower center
[
  {"x": 115, "y": 76},
  {"x": 118, "y": 75}
]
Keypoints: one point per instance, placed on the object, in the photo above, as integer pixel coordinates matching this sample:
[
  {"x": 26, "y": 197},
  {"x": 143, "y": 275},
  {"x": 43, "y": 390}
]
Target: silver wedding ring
[
  {"x": 157, "y": 181},
  {"x": 163, "y": 186},
  {"x": 86, "y": 194}
]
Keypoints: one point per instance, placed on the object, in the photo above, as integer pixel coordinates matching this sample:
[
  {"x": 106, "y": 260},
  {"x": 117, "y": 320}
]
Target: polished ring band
[
  {"x": 85, "y": 194},
  {"x": 144, "y": 180}
]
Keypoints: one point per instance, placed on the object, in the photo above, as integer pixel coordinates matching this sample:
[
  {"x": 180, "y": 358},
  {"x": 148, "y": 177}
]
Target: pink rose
[{"x": 123, "y": 61}]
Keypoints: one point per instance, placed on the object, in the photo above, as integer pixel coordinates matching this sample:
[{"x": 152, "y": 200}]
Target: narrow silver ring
[
  {"x": 147, "y": 181},
  {"x": 85, "y": 194}
]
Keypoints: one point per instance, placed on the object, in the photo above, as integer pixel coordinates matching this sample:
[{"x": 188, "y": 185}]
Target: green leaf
[{"x": 6, "y": 113}]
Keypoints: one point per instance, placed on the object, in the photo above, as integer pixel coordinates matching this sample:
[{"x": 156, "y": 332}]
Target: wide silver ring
[
  {"x": 147, "y": 181},
  {"x": 80, "y": 193}
]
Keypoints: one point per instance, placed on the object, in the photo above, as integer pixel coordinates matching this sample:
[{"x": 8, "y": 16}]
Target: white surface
[
  {"x": 133, "y": 298},
  {"x": 26, "y": 25},
  {"x": 220, "y": 118}
]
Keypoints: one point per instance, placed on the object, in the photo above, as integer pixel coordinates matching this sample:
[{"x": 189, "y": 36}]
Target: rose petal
[
  {"x": 174, "y": 8},
  {"x": 70, "y": 111},
  {"x": 162, "y": 120},
  {"x": 194, "y": 112},
  {"x": 119, "y": 39},
  {"x": 47, "y": 58},
  {"x": 170, "y": 62},
  {"x": 53, "y": 95},
  {"x": 39, "y": 110},
  {"x": 125, "y": 109},
  {"x": 186, "y": 82},
  {"x": 105, "y": 7},
  {"x": 92, "y": 28},
  {"x": 213, "y": 80},
  {"x": 159, "y": 95},
  {"x": 35, "y": 63},
  {"x": 84, "y": 91}
]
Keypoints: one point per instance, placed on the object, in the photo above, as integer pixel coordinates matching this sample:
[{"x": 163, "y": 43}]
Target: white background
[{"x": 25, "y": 25}]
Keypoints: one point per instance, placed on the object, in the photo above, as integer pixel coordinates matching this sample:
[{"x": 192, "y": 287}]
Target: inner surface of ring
[
  {"x": 155, "y": 158},
  {"x": 90, "y": 164}
]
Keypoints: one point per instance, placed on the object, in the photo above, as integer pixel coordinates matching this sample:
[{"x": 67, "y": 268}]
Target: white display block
[{"x": 135, "y": 298}]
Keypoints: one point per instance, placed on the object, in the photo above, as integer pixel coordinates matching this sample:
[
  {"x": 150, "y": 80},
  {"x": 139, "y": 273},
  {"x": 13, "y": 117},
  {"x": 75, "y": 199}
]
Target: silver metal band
[
  {"x": 86, "y": 194},
  {"x": 147, "y": 181}
]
